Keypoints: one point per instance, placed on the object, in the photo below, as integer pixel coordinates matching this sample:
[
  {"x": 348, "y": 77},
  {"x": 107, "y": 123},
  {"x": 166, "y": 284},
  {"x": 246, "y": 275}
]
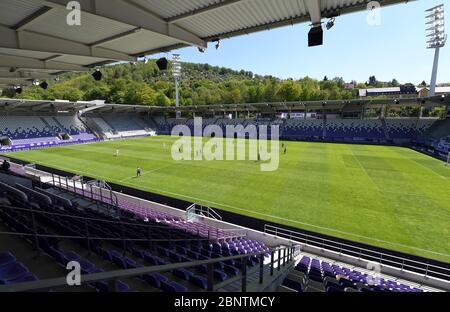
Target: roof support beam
[
  {"x": 31, "y": 41},
  {"x": 116, "y": 37},
  {"x": 11, "y": 61},
  {"x": 315, "y": 11},
  {"x": 25, "y": 75},
  {"x": 130, "y": 13},
  {"x": 202, "y": 10},
  {"x": 14, "y": 80},
  {"x": 27, "y": 21},
  {"x": 41, "y": 106}
]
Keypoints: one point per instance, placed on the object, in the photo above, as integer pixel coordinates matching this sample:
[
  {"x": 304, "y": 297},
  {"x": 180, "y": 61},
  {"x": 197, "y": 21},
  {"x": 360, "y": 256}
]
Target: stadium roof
[
  {"x": 37, "y": 42},
  {"x": 12, "y": 106}
]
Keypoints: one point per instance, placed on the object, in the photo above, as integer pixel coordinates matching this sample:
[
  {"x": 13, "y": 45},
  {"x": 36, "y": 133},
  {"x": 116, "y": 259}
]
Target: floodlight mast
[
  {"x": 176, "y": 72},
  {"x": 435, "y": 32}
]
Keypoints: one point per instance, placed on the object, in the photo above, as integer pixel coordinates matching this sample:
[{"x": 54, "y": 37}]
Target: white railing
[
  {"x": 205, "y": 211},
  {"x": 427, "y": 269}
]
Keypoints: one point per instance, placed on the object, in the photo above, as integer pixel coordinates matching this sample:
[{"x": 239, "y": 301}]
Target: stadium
[{"x": 356, "y": 200}]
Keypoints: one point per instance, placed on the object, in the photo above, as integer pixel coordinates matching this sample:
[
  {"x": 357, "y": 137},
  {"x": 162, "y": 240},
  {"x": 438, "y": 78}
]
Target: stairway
[
  {"x": 59, "y": 124},
  {"x": 270, "y": 282},
  {"x": 439, "y": 129},
  {"x": 93, "y": 127},
  {"x": 48, "y": 126},
  {"x": 385, "y": 129}
]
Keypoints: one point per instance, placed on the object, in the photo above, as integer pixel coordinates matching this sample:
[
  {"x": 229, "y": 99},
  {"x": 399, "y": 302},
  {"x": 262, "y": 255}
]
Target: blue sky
[{"x": 352, "y": 49}]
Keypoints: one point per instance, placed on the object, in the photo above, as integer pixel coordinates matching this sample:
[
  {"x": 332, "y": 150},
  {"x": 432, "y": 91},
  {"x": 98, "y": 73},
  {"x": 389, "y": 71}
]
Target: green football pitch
[{"x": 390, "y": 197}]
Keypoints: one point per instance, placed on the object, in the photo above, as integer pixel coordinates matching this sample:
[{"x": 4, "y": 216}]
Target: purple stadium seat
[
  {"x": 199, "y": 281},
  {"x": 183, "y": 273},
  {"x": 6, "y": 258},
  {"x": 155, "y": 279},
  {"x": 220, "y": 275},
  {"x": 12, "y": 271},
  {"x": 231, "y": 270},
  {"x": 172, "y": 287}
]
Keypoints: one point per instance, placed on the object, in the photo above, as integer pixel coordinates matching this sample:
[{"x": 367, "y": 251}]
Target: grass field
[{"x": 385, "y": 196}]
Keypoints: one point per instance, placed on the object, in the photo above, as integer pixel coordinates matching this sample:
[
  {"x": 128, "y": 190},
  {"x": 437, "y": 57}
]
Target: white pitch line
[
  {"x": 365, "y": 171},
  {"x": 293, "y": 221}
]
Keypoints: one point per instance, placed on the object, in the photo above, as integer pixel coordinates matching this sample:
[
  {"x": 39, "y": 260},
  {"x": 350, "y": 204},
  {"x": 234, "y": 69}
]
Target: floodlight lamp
[{"x": 330, "y": 23}]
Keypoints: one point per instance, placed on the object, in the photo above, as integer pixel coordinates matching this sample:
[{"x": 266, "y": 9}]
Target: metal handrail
[
  {"x": 114, "y": 275},
  {"x": 345, "y": 248},
  {"x": 200, "y": 210}
]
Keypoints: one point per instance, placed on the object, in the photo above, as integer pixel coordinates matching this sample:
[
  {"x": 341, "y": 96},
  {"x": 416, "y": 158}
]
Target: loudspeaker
[
  {"x": 97, "y": 75},
  {"x": 44, "y": 85},
  {"x": 162, "y": 63},
  {"x": 315, "y": 36}
]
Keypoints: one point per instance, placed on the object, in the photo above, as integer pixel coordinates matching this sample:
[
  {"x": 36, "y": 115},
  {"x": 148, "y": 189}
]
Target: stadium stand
[
  {"x": 369, "y": 129},
  {"x": 58, "y": 212},
  {"x": 314, "y": 275},
  {"x": 113, "y": 126},
  {"x": 23, "y": 130}
]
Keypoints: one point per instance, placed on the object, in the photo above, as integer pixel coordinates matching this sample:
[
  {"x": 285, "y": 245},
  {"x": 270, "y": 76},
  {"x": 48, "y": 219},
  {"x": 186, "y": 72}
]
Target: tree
[
  {"x": 372, "y": 81},
  {"x": 162, "y": 100},
  {"x": 325, "y": 78},
  {"x": 395, "y": 83},
  {"x": 289, "y": 91},
  {"x": 423, "y": 84}
]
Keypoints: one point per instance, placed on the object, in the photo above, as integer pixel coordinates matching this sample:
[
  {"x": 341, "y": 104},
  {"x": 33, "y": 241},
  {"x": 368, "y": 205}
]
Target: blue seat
[
  {"x": 334, "y": 288},
  {"x": 29, "y": 277},
  {"x": 295, "y": 285},
  {"x": 220, "y": 275},
  {"x": 155, "y": 279},
  {"x": 85, "y": 266},
  {"x": 106, "y": 254},
  {"x": 183, "y": 273},
  {"x": 231, "y": 270},
  {"x": 172, "y": 287},
  {"x": 137, "y": 253},
  {"x": 105, "y": 287},
  {"x": 122, "y": 287},
  {"x": 199, "y": 281},
  {"x": 12, "y": 271},
  {"x": 191, "y": 254},
  {"x": 6, "y": 258}
]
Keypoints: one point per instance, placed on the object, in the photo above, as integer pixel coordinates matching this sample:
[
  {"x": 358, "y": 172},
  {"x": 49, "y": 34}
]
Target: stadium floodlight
[
  {"x": 43, "y": 85},
  {"x": 436, "y": 38},
  {"x": 330, "y": 23},
  {"x": 162, "y": 63},
  {"x": 18, "y": 89},
  {"x": 97, "y": 75},
  {"x": 176, "y": 72}
]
